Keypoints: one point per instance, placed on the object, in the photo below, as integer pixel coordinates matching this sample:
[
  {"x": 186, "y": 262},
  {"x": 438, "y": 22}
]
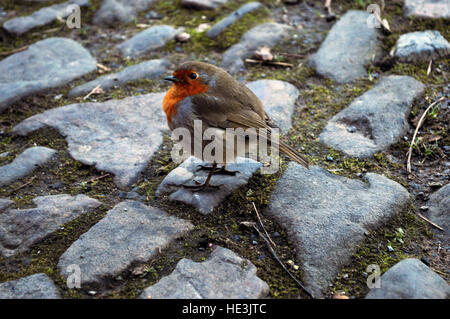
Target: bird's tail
[{"x": 293, "y": 154}]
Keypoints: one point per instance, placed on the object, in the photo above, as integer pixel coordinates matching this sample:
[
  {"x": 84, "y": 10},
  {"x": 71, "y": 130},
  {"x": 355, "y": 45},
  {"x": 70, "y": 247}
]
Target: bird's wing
[
  {"x": 226, "y": 113},
  {"x": 231, "y": 113}
]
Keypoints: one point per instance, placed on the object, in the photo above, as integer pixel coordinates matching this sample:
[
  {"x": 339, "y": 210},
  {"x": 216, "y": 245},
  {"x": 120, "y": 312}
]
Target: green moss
[{"x": 402, "y": 231}]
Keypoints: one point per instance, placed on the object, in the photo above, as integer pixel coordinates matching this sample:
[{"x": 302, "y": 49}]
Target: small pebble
[
  {"x": 290, "y": 262},
  {"x": 183, "y": 37},
  {"x": 329, "y": 158},
  {"x": 351, "y": 129},
  {"x": 405, "y": 138},
  {"x": 254, "y": 242},
  {"x": 390, "y": 248},
  {"x": 295, "y": 267}
]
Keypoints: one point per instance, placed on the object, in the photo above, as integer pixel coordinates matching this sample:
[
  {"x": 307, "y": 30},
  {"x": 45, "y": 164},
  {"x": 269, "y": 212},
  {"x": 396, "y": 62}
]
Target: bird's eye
[{"x": 193, "y": 76}]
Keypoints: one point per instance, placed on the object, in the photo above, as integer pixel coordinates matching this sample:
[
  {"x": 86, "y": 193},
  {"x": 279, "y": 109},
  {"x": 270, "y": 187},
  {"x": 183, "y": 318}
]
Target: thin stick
[
  {"x": 429, "y": 68},
  {"x": 93, "y": 91},
  {"x": 293, "y": 55},
  {"x": 97, "y": 178},
  {"x": 262, "y": 225},
  {"x": 14, "y": 51},
  {"x": 252, "y": 224},
  {"x": 26, "y": 184},
  {"x": 429, "y": 221},
  {"x": 409, "y": 153},
  {"x": 104, "y": 68},
  {"x": 269, "y": 62}
]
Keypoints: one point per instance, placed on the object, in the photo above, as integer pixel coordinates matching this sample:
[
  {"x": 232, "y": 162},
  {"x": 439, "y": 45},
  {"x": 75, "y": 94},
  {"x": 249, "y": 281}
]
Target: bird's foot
[
  {"x": 221, "y": 171},
  {"x": 206, "y": 186}
]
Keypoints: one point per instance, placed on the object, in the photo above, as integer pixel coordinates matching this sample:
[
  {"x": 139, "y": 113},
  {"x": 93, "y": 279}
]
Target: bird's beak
[{"x": 171, "y": 78}]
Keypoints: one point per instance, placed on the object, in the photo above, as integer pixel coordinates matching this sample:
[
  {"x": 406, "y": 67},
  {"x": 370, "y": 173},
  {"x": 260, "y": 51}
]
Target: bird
[{"x": 205, "y": 92}]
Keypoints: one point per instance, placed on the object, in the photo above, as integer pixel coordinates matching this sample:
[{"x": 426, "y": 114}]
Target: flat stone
[
  {"x": 278, "y": 98},
  {"x": 206, "y": 200},
  {"x": 421, "y": 46},
  {"x": 150, "y": 39},
  {"x": 44, "y": 16},
  {"x": 21, "y": 228},
  {"x": 145, "y": 70},
  {"x": 439, "y": 208},
  {"x": 267, "y": 34},
  {"x": 234, "y": 16},
  {"x": 46, "y": 64},
  {"x": 224, "y": 275},
  {"x": 327, "y": 215},
  {"x": 410, "y": 279},
  {"x": 112, "y": 12},
  {"x": 130, "y": 233},
  {"x": 427, "y": 8},
  {"x": 25, "y": 163},
  {"x": 349, "y": 46},
  {"x": 117, "y": 136},
  {"x": 4, "y": 204},
  {"x": 37, "y": 286},
  {"x": 379, "y": 116},
  {"x": 203, "y": 4}
]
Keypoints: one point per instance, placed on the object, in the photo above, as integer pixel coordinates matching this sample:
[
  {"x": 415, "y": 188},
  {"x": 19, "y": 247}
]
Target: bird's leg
[
  {"x": 222, "y": 170},
  {"x": 206, "y": 184}
]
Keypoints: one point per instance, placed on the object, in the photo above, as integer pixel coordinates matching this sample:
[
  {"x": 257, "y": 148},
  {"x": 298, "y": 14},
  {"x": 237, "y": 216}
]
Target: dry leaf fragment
[{"x": 263, "y": 53}]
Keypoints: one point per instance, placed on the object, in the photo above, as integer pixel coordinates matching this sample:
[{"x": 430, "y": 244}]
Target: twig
[
  {"x": 269, "y": 62},
  {"x": 429, "y": 68},
  {"x": 14, "y": 51},
  {"x": 293, "y": 55},
  {"x": 26, "y": 184},
  {"x": 252, "y": 224},
  {"x": 429, "y": 221},
  {"x": 262, "y": 225},
  {"x": 94, "y": 90},
  {"x": 104, "y": 68},
  {"x": 97, "y": 178},
  {"x": 409, "y": 153}
]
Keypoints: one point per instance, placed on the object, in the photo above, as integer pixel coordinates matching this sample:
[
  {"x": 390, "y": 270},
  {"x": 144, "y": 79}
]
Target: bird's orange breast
[{"x": 177, "y": 93}]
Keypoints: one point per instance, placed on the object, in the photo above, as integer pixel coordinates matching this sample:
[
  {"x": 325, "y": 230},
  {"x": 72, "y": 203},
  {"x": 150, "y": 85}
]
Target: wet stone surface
[
  {"x": 21, "y": 228},
  {"x": 117, "y": 136},
  {"x": 375, "y": 120},
  {"x": 224, "y": 275},
  {"x": 327, "y": 215},
  {"x": 130, "y": 233},
  {"x": 45, "y": 64}
]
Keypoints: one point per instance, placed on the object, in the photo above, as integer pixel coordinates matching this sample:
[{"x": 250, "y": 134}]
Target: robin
[{"x": 204, "y": 92}]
